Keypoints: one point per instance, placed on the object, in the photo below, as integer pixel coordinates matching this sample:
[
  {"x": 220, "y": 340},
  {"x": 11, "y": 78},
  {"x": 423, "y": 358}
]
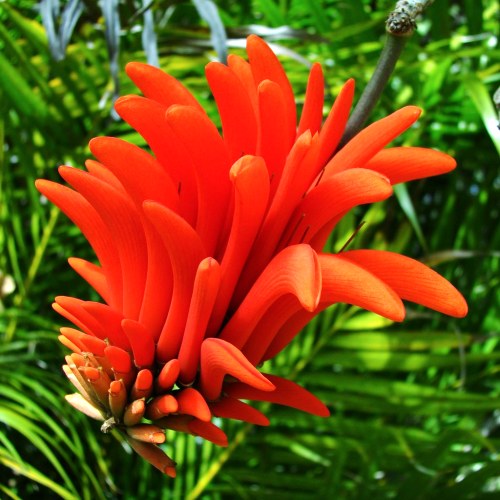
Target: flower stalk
[{"x": 400, "y": 25}]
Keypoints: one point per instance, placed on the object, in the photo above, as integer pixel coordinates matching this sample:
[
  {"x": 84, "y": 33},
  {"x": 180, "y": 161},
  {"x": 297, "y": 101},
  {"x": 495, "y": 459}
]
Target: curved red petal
[
  {"x": 139, "y": 172},
  {"x": 186, "y": 251},
  {"x": 206, "y": 286},
  {"x": 141, "y": 341},
  {"x": 268, "y": 327},
  {"x": 371, "y": 140},
  {"x": 124, "y": 225},
  {"x": 299, "y": 170},
  {"x": 412, "y": 280},
  {"x": 208, "y": 431},
  {"x": 235, "y": 409},
  {"x": 211, "y": 163},
  {"x": 93, "y": 275},
  {"x": 148, "y": 118},
  {"x": 218, "y": 359},
  {"x": 312, "y": 112},
  {"x": 99, "y": 171},
  {"x": 85, "y": 216},
  {"x": 119, "y": 358},
  {"x": 191, "y": 402},
  {"x": 109, "y": 321},
  {"x": 251, "y": 193},
  {"x": 266, "y": 66},
  {"x": 287, "y": 393},
  {"x": 407, "y": 164},
  {"x": 330, "y": 199},
  {"x": 342, "y": 283},
  {"x": 334, "y": 126},
  {"x": 160, "y": 86},
  {"x": 295, "y": 270},
  {"x": 154, "y": 455},
  {"x": 239, "y": 122},
  {"x": 75, "y": 311},
  {"x": 168, "y": 376}
]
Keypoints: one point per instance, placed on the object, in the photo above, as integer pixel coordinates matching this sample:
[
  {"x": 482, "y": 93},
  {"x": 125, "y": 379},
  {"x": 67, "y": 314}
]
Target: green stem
[
  {"x": 390, "y": 54},
  {"x": 399, "y": 26}
]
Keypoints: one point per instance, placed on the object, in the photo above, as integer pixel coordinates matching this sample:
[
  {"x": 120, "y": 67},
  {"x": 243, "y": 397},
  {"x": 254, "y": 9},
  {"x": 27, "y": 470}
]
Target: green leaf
[{"x": 484, "y": 106}]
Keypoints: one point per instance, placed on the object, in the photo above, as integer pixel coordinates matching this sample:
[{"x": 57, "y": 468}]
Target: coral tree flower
[{"x": 210, "y": 250}]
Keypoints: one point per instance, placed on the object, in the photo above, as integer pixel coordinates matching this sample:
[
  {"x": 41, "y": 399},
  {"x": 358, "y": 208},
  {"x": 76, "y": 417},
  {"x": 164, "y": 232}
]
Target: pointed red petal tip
[
  {"x": 191, "y": 402},
  {"x": 208, "y": 431},
  {"x": 412, "y": 280},
  {"x": 233, "y": 408},
  {"x": 220, "y": 358},
  {"x": 287, "y": 393}
]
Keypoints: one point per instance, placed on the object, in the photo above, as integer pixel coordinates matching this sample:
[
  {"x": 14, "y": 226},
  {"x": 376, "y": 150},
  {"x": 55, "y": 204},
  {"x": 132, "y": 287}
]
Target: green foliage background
[{"x": 415, "y": 407}]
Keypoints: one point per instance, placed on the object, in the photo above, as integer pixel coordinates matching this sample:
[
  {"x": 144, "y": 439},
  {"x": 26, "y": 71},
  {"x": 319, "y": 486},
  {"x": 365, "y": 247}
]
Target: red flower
[{"x": 210, "y": 251}]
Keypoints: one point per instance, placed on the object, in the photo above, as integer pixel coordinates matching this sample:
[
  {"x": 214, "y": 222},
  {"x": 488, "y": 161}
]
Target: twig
[{"x": 400, "y": 25}]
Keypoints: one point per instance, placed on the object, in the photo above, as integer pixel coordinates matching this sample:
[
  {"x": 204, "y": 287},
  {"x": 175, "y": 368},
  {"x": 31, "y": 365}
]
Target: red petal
[
  {"x": 120, "y": 359},
  {"x": 74, "y": 310},
  {"x": 239, "y": 123},
  {"x": 93, "y": 344},
  {"x": 160, "y": 86},
  {"x": 66, "y": 342},
  {"x": 206, "y": 286},
  {"x": 371, "y": 140},
  {"x": 345, "y": 283},
  {"x": 141, "y": 341},
  {"x": 334, "y": 125},
  {"x": 148, "y": 118},
  {"x": 229, "y": 407},
  {"x": 168, "y": 375},
  {"x": 243, "y": 71},
  {"x": 191, "y": 402},
  {"x": 312, "y": 112},
  {"x": 110, "y": 323},
  {"x": 272, "y": 144},
  {"x": 81, "y": 212},
  {"x": 154, "y": 455},
  {"x": 412, "y": 280},
  {"x": 161, "y": 406},
  {"x": 143, "y": 385},
  {"x": 300, "y": 169},
  {"x": 266, "y": 66},
  {"x": 100, "y": 172},
  {"x": 75, "y": 338},
  {"x": 295, "y": 270},
  {"x": 144, "y": 179},
  {"x": 218, "y": 359},
  {"x": 330, "y": 199},
  {"x": 287, "y": 393},
  {"x": 407, "y": 164},
  {"x": 211, "y": 163},
  {"x": 186, "y": 252},
  {"x": 141, "y": 175},
  {"x": 208, "y": 431},
  {"x": 268, "y": 327},
  {"x": 251, "y": 192},
  {"x": 93, "y": 275},
  {"x": 124, "y": 225}
]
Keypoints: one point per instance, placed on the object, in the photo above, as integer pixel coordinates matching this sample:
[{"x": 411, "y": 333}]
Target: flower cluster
[{"x": 210, "y": 250}]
